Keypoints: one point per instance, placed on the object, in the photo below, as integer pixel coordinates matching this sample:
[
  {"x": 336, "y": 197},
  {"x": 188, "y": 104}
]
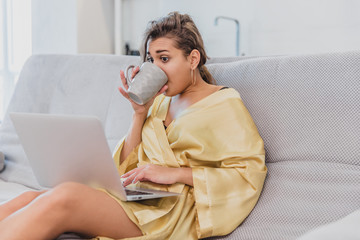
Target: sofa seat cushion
[{"x": 9, "y": 190}]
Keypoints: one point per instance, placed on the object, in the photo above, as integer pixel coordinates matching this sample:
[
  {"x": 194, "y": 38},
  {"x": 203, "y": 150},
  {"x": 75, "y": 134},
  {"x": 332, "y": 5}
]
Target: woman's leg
[
  {"x": 17, "y": 203},
  {"x": 70, "y": 207}
]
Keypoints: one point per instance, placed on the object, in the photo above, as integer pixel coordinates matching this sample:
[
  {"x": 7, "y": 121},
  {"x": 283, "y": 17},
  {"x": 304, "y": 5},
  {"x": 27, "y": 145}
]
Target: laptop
[{"x": 63, "y": 148}]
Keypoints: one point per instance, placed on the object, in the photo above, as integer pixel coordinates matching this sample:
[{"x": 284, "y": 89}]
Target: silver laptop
[{"x": 63, "y": 148}]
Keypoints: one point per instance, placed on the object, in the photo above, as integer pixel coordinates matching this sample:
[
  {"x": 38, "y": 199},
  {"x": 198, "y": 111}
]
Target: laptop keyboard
[{"x": 134, "y": 192}]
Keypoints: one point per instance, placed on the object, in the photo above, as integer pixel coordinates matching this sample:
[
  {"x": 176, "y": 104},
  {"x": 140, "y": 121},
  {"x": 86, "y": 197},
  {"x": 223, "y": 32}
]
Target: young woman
[{"x": 194, "y": 138}]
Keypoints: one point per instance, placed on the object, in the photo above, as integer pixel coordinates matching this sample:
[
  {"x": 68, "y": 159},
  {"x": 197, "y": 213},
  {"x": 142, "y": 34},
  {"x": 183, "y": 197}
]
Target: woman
[{"x": 194, "y": 138}]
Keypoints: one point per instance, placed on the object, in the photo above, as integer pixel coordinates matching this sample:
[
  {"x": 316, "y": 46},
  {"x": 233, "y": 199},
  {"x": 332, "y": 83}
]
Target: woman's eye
[
  {"x": 164, "y": 59},
  {"x": 149, "y": 59}
]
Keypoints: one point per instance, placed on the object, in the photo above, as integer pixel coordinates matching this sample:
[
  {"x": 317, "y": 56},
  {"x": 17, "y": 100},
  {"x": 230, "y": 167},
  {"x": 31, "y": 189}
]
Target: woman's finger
[
  {"x": 137, "y": 173},
  {"x": 139, "y": 177},
  {"x": 162, "y": 90},
  {"x": 129, "y": 173},
  {"x": 129, "y": 180},
  {"x": 124, "y": 93},
  {"x": 129, "y": 176},
  {"x": 123, "y": 80},
  {"x": 135, "y": 71},
  {"x": 133, "y": 171},
  {"x": 134, "y": 178}
]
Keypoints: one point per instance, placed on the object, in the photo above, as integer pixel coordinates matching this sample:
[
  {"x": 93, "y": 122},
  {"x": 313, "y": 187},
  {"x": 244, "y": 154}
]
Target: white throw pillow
[{"x": 347, "y": 228}]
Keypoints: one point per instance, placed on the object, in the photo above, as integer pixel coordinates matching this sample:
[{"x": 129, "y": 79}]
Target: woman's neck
[
  {"x": 194, "y": 93},
  {"x": 199, "y": 87}
]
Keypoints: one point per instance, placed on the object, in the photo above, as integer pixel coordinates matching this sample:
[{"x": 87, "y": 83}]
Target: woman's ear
[{"x": 194, "y": 58}]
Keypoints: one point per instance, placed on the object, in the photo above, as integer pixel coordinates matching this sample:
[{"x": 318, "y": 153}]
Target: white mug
[{"x": 146, "y": 83}]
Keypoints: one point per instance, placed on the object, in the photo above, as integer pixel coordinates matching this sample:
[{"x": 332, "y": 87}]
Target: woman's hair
[{"x": 180, "y": 28}]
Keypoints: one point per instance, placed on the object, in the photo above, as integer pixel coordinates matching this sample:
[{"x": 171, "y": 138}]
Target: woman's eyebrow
[{"x": 158, "y": 51}]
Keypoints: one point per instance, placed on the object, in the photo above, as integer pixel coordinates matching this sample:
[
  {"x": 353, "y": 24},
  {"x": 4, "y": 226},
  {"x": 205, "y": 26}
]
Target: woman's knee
[{"x": 64, "y": 197}]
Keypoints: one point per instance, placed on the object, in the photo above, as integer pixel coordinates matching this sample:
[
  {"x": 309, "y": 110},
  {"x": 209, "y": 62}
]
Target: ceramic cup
[{"x": 146, "y": 83}]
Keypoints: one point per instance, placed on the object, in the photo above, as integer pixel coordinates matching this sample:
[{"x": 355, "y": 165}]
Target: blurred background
[{"x": 228, "y": 27}]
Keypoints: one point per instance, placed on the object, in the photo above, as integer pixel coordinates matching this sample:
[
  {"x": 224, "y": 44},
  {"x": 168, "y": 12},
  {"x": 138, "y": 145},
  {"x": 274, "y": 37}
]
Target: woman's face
[{"x": 172, "y": 61}]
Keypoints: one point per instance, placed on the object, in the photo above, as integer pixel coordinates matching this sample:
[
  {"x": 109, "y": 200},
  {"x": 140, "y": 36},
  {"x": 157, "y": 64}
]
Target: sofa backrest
[
  {"x": 63, "y": 84},
  {"x": 306, "y": 107}
]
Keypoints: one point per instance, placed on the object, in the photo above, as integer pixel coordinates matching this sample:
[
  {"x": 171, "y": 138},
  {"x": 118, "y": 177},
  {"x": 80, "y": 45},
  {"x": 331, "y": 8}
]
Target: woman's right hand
[{"x": 138, "y": 109}]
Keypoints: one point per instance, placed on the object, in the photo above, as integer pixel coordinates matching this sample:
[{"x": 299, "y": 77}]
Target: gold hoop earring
[{"x": 191, "y": 75}]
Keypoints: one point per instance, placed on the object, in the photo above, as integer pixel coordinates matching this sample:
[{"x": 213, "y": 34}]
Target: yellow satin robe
[{"x": 218, "y": 139}]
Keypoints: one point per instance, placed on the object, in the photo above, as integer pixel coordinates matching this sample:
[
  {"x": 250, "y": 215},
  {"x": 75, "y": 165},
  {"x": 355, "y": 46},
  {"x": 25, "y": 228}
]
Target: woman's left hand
[{"x": 151, "y": 173}]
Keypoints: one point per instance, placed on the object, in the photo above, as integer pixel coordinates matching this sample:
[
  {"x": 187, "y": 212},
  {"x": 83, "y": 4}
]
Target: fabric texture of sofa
[{"x": 306, "y": 108}]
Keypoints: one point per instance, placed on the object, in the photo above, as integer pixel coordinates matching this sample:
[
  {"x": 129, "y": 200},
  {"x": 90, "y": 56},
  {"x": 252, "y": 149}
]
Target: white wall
[
  {"x": 95, "y": 26},
  {"x": 54, "y": 26},
  {"x": 137, "y": 13},
  {"x": 219, "y": 40},
  {"x": 71, "y": 27},
  {"x": 135, "y": 16},
  {"x": 304, "y": 26},
  {"x": 273, "y": 27}
]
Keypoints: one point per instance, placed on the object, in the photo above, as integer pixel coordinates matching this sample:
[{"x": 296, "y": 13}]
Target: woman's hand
[
  {"x": 139, "y": 109},
  {"x": 158, "y": 174}
]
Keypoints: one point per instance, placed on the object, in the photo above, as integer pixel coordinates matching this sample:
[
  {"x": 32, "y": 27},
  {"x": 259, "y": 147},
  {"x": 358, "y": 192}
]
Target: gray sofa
[{"x": 306, "y": 108}]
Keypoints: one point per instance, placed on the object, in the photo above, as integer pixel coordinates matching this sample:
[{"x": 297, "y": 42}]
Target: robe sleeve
[
  {"x": 225, "y": 197},
  {"x": 131, "y": 160},
  {"x": 228, "y": 162}
]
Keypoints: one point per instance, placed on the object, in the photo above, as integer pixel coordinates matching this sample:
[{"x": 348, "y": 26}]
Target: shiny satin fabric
[{"x": 218, "y": 139}]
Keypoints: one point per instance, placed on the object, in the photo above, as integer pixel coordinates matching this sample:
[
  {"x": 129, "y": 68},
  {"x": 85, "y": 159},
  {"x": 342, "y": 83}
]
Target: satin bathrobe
[{"x": 218, "y": 139}]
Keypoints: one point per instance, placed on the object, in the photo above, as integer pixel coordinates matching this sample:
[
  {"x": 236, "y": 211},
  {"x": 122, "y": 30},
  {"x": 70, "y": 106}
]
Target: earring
[{"x": 193, "y": 77}]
